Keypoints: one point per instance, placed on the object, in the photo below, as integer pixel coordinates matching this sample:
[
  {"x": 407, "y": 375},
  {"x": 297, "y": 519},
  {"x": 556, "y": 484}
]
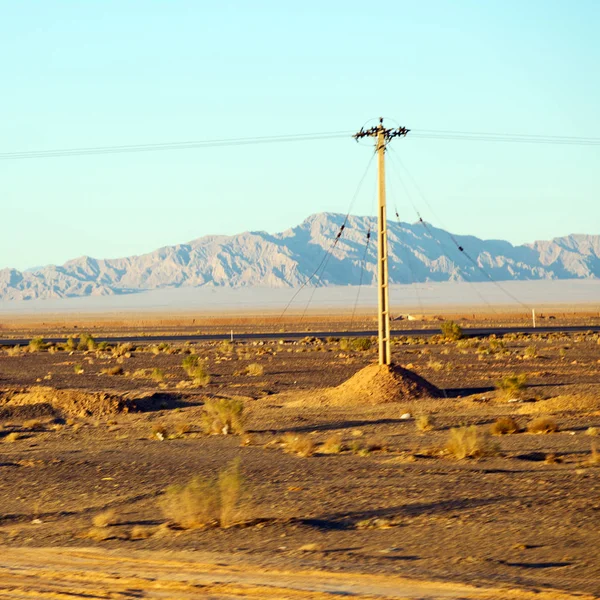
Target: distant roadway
[{"x": 294, "y": 335}]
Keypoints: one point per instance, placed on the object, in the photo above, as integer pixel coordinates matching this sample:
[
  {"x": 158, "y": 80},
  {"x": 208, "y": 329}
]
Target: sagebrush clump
[
  {"x": 223, "y": 416},
  {"x": 467, "y": 442},
  {"x": 451, "y": 331},
  {"x": 512, "y": 387},
  {"x": 505, "y": 426},
  {"x": 205, "y": 502}
]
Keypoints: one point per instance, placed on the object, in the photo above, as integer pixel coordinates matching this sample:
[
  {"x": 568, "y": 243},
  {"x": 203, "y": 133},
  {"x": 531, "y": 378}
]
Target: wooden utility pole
[{"x": 382, "y": 137}]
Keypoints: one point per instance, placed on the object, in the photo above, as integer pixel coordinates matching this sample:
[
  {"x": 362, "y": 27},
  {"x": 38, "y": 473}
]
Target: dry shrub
[
  {"x": 542, "y": 425},
  {"x": 594, "y": 458},
  {"x": 139, "y": 532},
  {"x": 436, "y": 365},
  {"x": 530, "y": 352},
  {"x": 424, "y": 423},
  {"x": 512, "y": 386},
  {"x": 299, "y": 444},
  {"x": 123, "y": 350},
  {"x": 157, "y": 375},
  {"x": 591, "y": 431},
  {"x": 34, "y": 425},
  {"x": 99, "y": 534},
  {"x": 356, "y": 344},
  {"x": 196, "y": 369},
  {"x": 182, "y": 428},
  {"x": 226, "y": 347},
  {"x": 254, "y": 370},
  {"x": 13, "y": 437},
  {"x": 159, "y": 430},
  {"x": 451, "y": 331},
  {"x": 204, "y": 502},
  {"x": 105, "y": 519},
  {"x": 223, "y": 416},
  {"x": 116, "y": 370},
  {"x": 332, "y": 445},
  {"x": 14, "y": 351},
  {"x": 37, "y": 345},
  {"x": 466, "y": 442},
  {"x": 78, "y": 369},
  {"x": 504, "y": 426}
]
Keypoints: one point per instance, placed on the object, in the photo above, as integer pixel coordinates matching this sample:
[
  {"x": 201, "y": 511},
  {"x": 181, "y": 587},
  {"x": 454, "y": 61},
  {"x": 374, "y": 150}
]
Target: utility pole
[{"x": 383, "y": 135}]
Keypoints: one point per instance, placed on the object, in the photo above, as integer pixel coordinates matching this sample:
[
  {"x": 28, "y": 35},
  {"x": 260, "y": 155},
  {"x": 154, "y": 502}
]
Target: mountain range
[{"x": 417, "y": 253}]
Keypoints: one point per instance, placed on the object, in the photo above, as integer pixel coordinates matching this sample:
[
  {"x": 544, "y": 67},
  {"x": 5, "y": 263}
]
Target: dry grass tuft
[
  {"x": 592, "y": 431},
  {"x": 542, "y": 425},
  {"x": 158, "y": 375},
  {"x": 116, "y": 370},
  {"x": 299, "y": 444},
  {"x": 512, "y": 386},
  {"x": 451, "y": 331},
  {"x": 105, "y": 519},
  {"x": 505, "y": 426},
  {"x": 159, "y": 430},
  {"x": 332, "y": 445},
  {"x": 254, "y": 370},
  {"x": 205, "y": 502},
  {"x": 139, "y": 532},
  {"x": 13, "y": 437},
  {"x": 466, "y": 442},
  {"x": 223, "y": 416},
  {"x": 424, "y": 423}
]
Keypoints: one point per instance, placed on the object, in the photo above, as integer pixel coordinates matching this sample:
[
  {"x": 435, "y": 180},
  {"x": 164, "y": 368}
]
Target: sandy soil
[{"x": 391, "y": 504}]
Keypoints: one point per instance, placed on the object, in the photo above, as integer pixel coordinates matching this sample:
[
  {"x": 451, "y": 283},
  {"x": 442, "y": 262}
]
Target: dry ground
[{"x": 392, "y": 502}]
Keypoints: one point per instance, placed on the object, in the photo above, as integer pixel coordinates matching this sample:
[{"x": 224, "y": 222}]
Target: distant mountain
[{"x": 417, "y": 253}]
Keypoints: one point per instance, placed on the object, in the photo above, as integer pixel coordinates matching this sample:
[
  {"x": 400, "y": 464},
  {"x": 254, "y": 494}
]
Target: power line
[
  {"x": 472, "y": 136},
  {"x": 325, "y": 259}
]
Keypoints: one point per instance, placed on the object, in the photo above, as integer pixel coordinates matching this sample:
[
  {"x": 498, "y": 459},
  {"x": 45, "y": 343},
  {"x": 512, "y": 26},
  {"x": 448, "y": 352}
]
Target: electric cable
[
  {"x": 458, "y": 245},
  {"x": 472, "y": 136},
  {"x": 333, "y": 244}
]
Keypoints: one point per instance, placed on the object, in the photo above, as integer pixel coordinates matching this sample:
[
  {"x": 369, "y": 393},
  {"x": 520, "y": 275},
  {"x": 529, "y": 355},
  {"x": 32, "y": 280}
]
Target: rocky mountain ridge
[{"x": 417, "y": 252}]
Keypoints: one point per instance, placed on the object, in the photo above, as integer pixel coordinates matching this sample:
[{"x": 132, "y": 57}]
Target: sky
[{"x": 82, "y": 74}]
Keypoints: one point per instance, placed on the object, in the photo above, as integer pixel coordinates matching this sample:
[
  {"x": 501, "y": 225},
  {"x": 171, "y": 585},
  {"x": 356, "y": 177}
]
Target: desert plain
[{"x": 297, "y": 468}]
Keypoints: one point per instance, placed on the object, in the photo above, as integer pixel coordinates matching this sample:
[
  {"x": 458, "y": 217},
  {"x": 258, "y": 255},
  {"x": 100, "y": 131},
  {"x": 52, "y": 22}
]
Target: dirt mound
[
  {"x": 78, "y": 403},
  {"x": 375, "y": 384}
]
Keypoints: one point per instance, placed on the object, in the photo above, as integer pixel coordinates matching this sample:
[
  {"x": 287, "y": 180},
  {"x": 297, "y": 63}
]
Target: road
[
  {"x": 93, "y": 573},
  {"x": 294, "y": 335}
]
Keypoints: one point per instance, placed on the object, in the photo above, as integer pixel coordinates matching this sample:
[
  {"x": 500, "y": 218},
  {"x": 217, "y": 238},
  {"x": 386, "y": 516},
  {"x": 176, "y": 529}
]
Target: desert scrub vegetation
[
  {"x": 466, "y": 442},
  {"x": 332, "y": 445},
  {"x": 206, "y": 502},
  {"x": 300, "y": 444},
  {"x": 37, "y": 345},
  {"x": 512, "y": 387},
  {"x": 504, "y": 426},
  {"x": 86, "y": 342},
  {"x": 542, "y": 425},
  {"x": 105, "y": 519},
  {"x": 78, "y": 369},
  {"x": 116, "y": 370},
  {"x": 355, "y": 344},
  {"x": 530, "y": 352},
  {"x": 451, "y": 331},
  {"x": 424, "y": 423},
  {"x": 196, "y": 369},
  {"x": 223, "y": 416},
  {"x": 158, "y": 375},
  {"x": 254, "y": 370}
]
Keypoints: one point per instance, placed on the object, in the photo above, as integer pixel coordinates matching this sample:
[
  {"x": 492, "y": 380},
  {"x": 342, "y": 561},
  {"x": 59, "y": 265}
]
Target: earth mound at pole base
[{"x": 373, "y": 385}]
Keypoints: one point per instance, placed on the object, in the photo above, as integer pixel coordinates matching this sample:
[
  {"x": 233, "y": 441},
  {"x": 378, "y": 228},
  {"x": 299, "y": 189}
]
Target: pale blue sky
[{"x": 85, "y": 73}]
